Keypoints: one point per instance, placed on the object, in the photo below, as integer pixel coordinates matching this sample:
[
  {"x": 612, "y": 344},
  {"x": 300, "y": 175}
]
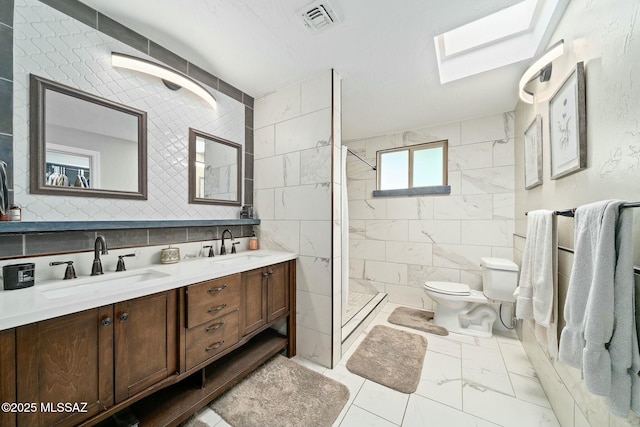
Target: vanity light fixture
[
  {"x": 170, "y": 77},
  {"x": 540, "y": 68}
]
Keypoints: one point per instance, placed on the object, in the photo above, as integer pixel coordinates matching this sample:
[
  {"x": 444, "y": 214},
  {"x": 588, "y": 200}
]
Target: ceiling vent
[{"x": 318, "y": 16}]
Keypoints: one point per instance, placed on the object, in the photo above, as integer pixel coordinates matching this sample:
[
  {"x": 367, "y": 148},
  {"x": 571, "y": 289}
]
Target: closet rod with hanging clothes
[
  {"x": 571, "y": 212},
  {"x": 370, "y": 165}
]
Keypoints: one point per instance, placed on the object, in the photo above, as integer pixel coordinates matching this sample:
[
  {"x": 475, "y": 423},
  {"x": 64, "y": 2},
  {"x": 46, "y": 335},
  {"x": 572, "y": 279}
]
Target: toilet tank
[{"x": 499, "y": 278}]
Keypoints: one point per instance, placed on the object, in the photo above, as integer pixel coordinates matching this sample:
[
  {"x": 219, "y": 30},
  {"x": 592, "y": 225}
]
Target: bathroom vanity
[{"x": 163, "y": 341}]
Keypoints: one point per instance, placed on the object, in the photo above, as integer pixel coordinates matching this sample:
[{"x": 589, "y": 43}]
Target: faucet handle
[
  {"x": 211, "y": 251},
  {"x": 70, "y": 272},
  {"x": 120, "y": 266},
  {"x": 233, "y": 247}
]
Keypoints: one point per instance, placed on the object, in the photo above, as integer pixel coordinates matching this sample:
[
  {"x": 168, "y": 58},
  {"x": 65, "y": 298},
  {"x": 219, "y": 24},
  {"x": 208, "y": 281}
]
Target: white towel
[
  {"x": 623, "y": 347},
  {"x": 535, "y": 299},
  {"x": 589, "y": 307}
]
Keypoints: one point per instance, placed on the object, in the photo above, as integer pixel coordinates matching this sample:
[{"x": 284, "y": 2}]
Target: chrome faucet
[
  {"x": 100, "y": 246},
  {"x": 223, "y": 249}
]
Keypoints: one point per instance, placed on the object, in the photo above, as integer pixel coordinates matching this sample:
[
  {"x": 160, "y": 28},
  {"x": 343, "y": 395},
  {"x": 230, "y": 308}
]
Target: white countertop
[{"x": 52, "y": 298}]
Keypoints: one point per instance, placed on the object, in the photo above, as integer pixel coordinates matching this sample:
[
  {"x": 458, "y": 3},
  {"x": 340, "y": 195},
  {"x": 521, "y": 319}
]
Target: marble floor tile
[
  {"x": 425, "y": 412},
  {"x": 443, "y": 345},
  {"x": 441, "y": 379},
  {"x": 484, "y": 367},
  {"x": 516, "y": 359},
  {"x": 358, "y": 417},
  {"x": 529, "y": 389},
  {"x": 465, "y": 381},
  {"x": 505, "y": 410},
  {"x": 382, "y": 401}
]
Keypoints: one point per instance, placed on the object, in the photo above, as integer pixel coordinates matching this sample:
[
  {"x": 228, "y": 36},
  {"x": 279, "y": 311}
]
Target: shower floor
[{"x": 357, "y": 301}]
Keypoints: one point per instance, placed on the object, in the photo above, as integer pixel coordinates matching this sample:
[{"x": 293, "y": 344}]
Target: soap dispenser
[{"x": 253, "y": 242}]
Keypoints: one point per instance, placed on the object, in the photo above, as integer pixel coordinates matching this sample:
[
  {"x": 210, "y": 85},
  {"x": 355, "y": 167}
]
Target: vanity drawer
[
  {"x": 211, "y": 338},
  {"x": 211, "y": 299}
]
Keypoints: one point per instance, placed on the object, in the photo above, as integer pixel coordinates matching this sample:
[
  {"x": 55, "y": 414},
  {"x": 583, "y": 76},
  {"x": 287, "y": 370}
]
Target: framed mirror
[
  {"x": 215, "y": 170},
  {"x": 84, "y": 145}
]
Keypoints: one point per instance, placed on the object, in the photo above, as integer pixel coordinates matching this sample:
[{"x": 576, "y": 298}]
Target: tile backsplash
[{"x": 14, "y": 246}]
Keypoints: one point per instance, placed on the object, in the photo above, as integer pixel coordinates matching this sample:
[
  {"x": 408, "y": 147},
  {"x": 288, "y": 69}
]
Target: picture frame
[
  {"x": 568, "y": 125},
  {"x": 533, "y": 154}
]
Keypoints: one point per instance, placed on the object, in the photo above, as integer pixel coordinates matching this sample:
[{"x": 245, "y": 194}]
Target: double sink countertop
[{"x": 52, "y": 298}]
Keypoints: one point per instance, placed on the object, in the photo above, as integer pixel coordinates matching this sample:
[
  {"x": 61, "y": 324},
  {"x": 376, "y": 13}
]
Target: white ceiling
[{"x": 383, "y": 49}]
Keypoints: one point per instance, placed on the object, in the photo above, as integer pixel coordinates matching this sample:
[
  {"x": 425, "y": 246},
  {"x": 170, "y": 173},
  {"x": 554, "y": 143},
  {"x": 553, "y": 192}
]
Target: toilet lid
[{"x": 450, "y": 288}]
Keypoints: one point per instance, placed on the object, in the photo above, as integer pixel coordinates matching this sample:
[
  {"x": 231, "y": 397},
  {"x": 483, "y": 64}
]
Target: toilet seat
[{"x": 448, "y": 288}]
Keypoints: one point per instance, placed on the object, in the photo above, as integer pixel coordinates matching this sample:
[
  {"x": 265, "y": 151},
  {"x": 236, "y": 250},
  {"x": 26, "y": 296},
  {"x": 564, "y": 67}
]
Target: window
[{"x": 414, "y": 170}]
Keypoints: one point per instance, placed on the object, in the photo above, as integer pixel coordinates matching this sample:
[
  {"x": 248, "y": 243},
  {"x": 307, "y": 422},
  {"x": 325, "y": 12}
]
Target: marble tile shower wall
[
  {"x": 292, "y": 198},
  {"x": 396, "y": 244}
]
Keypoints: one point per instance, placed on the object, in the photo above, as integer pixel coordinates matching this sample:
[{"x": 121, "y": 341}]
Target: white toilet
[{"x": 467, "y": 311}]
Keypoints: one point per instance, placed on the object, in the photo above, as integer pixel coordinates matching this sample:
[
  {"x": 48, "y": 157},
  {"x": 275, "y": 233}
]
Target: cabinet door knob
[
  {"x": 124, "y": 317},
  {"x": 214, "y": 346},
  {"x": 213, "y": 290},
  {"x": 265, "y": 274},
  {"x": 270, "y": 272},
  {"x": 106, "y": 321},
  {"x": 218, "y": 308}
]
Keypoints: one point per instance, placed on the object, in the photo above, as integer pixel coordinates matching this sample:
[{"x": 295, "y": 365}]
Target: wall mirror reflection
[
  {"x": 215, "y": 170},
  {"x": 84, "y": 145}
]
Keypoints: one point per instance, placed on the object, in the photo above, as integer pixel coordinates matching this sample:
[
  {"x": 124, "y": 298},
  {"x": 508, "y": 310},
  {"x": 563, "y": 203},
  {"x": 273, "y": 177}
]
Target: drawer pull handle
[
  {"x": 221, "y": 288},
  {"x": 214, "y": 327},
  {"x": 218, "y": 308},
  {"x": 213, "y": 347}
]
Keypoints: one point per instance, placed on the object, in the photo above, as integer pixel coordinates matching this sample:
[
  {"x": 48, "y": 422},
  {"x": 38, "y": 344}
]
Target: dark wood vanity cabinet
[
  {"x": 265, "y": 296},
  {"x": 8, "y": 374},
  {"x": 101, "y": 356},
  {"x": 145, "y": 337},
  {"x": 136, "y": 353},
  {"x": 65, "y": 359}
]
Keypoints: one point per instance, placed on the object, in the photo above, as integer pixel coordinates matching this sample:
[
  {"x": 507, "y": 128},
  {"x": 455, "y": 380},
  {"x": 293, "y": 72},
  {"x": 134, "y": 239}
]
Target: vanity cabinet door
[
  {"x": 8, "y": 374},
  {"x": 67, "y": 359},
  {"x": 254, "y": 300},
  {"x": 265, "y": 296},
  {"x": 277, "y": 291},
  {"x": 145, "y": 331}
]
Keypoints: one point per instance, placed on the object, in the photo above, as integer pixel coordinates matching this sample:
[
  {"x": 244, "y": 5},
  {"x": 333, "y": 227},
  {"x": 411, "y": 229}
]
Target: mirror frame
[
  {"x": 37, "y": 163},
  {"x": 193, "y": 134}
]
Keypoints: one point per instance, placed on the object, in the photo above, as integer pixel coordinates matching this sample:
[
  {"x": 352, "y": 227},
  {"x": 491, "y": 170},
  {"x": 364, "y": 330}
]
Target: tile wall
[
  {"x": 293, "y": 199},
  {"x": 6, "y": 89},
  {"x": 397, "y": 243},
  {"x": 53, "y": 45},
  {"x": 82, "y": 37}
]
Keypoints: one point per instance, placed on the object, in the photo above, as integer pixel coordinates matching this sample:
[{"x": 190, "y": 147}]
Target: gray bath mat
[
  {"x": 416, "y": 319},
  {"x": 390, "y": 357},
  {"x": 282, "y": 393}
]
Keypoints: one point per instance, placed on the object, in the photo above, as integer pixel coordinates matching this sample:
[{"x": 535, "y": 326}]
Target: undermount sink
[
  {"x": 98, "y": 285},
  {"x": 238, "y": 259}
]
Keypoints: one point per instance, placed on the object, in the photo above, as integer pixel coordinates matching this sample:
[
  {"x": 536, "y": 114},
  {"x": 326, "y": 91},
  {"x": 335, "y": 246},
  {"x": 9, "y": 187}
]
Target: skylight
[
  {"x": 505, "y": 37},
  {"x": 504, "y": 23}
]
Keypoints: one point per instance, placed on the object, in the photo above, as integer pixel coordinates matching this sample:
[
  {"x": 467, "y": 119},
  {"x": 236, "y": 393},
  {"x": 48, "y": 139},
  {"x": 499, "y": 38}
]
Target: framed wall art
[
  {"x": 568, "y": 125},
  {"x": 533, "y": 154}
]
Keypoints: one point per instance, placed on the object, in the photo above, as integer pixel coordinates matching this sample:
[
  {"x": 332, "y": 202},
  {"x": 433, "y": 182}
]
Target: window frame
[{"x": 444, "y": 188}]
